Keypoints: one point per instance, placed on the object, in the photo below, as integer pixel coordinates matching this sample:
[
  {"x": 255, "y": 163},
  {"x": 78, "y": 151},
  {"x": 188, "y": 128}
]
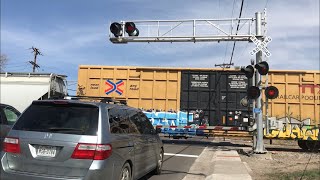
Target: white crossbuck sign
[{"x": 261, "y": 46}]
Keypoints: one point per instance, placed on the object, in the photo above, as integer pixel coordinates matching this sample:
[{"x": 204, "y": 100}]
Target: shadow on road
[
  {"x": 277, "y": 149},
  {"x": 164, "y": 172},
  {"x": 284, "y": 149}
]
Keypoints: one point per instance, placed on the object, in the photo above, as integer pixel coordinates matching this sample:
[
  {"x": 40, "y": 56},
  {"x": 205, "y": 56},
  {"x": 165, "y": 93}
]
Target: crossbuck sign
[{"x": 261, "y": 46}]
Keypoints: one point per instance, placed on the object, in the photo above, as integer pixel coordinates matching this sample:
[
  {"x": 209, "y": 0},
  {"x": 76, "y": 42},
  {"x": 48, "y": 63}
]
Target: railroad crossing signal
[
  {"x": 262, "y": 67},
  {"x": 131, "y": 29},
  {"x": 271, "y": 92},
  {"x": 249, "y": 71},
  {"x": 117, "y": 29},
  {"x": 194, "y": 35},
  {"x": 253, "y": 92},
  {"x": 261, "y": 46}
]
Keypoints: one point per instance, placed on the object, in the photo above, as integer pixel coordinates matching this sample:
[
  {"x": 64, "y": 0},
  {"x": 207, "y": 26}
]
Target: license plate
[{"x": 46, "y": 151}]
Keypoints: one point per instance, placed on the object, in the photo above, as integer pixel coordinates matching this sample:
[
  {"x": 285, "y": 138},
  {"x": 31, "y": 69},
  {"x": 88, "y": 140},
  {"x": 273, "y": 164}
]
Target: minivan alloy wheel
[
  {"x": 157, "y": 171},
  {"x": 160, "y": 159},
  {"x": 125, "y": 172}
]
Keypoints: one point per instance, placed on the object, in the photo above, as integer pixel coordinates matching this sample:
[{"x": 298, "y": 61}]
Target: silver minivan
[{"x": 71, "y": 139}]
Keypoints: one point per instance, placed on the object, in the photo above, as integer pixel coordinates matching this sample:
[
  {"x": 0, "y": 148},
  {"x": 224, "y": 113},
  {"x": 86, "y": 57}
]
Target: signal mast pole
[{"x": 259, "y": 148}]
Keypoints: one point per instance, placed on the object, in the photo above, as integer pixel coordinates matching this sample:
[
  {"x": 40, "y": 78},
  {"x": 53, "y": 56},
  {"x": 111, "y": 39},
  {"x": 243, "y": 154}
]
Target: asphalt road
[{"x": 178, "y": 159}]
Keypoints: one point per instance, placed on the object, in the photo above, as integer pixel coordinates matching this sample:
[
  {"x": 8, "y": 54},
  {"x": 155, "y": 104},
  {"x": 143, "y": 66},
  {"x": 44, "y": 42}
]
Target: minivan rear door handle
[{"x": 130, "y": 144}]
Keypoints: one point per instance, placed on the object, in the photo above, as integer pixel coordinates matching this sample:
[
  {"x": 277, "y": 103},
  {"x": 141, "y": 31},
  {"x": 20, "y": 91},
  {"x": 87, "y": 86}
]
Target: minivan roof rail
[{"x": 108, "y": 100}]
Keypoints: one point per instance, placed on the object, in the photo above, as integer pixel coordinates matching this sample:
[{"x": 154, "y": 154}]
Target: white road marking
[{"x": 181, "y": 155}]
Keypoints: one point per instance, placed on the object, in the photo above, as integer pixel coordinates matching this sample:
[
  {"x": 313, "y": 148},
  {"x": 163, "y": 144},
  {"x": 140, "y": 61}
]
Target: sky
[{"x": 70, "y": 33}]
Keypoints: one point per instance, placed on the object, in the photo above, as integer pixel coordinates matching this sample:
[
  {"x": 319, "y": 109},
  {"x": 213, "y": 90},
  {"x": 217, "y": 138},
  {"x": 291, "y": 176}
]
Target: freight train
[{"x": 217, "y": 93}]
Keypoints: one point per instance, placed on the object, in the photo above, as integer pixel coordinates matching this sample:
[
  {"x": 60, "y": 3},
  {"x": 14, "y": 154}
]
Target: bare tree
[{"x": 3, "y": 61}]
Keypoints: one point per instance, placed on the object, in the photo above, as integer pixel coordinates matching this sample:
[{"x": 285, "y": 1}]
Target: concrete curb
[
  {"x": 202, "y": 167},
  {"x": 228, "y": 166},
  {"x": 218, "y": 165}
]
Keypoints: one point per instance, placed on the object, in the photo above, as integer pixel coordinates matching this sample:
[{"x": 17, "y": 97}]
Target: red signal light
[
  {"x": 253, "y": 92},
  {"x": 271, "y": 92},
  {"x": 249, "y": 71},
  {"x": 262, "y": 67},
  {"x": 131, "y": 29}
]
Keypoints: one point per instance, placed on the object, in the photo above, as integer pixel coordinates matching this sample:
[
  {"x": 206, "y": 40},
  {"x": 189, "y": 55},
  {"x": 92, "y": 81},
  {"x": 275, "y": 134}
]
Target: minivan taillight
[
  {"x": 92, "y": 151},
  {"x": 11, "y": 145}
]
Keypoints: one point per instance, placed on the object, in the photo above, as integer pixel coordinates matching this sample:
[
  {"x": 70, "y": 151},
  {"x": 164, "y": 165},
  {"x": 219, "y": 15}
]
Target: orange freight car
[
  {"x": 295, "y": 114},
  {"x": 160, "y": 88}
]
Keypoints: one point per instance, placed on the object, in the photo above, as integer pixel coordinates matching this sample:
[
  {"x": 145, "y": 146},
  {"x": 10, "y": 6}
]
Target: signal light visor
[
  {"x": 116, "y": 29},
  {"x": 249, "y": 71},
  {"x": 262, "y": 67}
]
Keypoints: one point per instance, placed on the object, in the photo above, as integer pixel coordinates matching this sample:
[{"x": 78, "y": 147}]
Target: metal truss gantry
[{"x": 189, "y": 30}]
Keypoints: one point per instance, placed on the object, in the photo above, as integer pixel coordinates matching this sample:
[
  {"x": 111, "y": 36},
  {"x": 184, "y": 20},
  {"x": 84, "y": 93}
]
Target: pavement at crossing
[{"x": 218, "y": 164}]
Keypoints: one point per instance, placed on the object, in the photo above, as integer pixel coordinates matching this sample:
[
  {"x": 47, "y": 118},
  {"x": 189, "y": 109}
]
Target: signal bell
[
  {"x": 271, "y": 92},
  {"x": 262, "y": 67},
  {"x": 249, "y": 71}
]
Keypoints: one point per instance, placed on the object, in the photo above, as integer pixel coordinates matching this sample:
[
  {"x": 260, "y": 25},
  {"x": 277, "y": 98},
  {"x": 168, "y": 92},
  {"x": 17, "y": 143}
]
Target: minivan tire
[
  {"x": 158, "y": 169},
  {"x": 125, "y": 173}
]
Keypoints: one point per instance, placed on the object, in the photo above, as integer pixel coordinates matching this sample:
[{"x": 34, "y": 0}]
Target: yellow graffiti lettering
[
  {"x": 286, "y": 133},
  {"x": 296, "y": 132},
  {"x": 272, "y": 134}
]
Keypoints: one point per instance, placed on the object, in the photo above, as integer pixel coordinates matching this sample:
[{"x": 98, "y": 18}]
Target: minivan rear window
[{"x": 60, "y": 118}]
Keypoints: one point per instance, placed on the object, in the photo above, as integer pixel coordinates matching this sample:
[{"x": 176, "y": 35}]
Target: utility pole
[{"x": 36, "y": 52}]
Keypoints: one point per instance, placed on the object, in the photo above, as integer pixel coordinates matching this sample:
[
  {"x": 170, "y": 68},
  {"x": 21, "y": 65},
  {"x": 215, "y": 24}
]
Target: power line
[
  {"x": 231, "y": 29},
  {"x": 266, "y": 4},
  {"x": 20, "y": 69},
  {"x": 16, "y": 65},
  {"x": 219, "y": 10},
  {"x": 72, "y": 84},
  {"x": 234, "y": 43},
  {"x": 72, "y": 90}
]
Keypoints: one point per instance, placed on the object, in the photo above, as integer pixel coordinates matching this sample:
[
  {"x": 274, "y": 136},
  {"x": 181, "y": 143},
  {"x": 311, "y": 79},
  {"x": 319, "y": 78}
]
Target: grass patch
[{"x": 308, "y": 175}]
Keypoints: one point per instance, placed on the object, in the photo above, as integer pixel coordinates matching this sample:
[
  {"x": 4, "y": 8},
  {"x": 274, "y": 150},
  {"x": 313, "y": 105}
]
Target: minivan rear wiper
[{"x": 56, "y": 129}]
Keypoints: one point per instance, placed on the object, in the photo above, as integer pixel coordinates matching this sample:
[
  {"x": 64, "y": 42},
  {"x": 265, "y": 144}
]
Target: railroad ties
[{"x": 208, "y": 131}]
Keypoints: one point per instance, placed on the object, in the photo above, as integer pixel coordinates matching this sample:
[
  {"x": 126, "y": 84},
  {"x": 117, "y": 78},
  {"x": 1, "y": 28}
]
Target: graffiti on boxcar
[{"x": 294, "y": 131}]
